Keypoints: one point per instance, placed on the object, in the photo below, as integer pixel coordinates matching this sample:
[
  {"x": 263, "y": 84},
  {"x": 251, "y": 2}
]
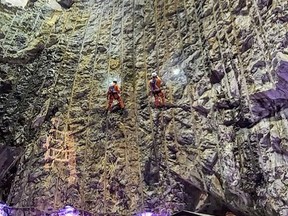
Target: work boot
[{"x": 121, "y": 111}]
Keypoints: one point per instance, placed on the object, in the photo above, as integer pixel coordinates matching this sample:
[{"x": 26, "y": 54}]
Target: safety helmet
[{"x": 154, "y": 74}]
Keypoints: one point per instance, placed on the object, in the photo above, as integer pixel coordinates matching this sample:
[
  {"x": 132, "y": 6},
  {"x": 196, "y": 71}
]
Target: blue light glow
[
  {"x": 68, "y": 211},
  {"x": 3, "y": 209},
  {"x": 147, "y": 214}
]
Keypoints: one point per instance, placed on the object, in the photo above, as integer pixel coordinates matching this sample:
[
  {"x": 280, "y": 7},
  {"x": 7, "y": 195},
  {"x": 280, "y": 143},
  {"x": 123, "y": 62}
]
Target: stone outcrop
[
  {"x": 220, "y": 143},
  {"x": 66, "y": 3}
]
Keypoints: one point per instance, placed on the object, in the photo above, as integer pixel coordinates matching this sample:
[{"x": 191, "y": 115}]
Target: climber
[
  {"x": 156, "y": 90},
  {"x": 114, "y": 93}
]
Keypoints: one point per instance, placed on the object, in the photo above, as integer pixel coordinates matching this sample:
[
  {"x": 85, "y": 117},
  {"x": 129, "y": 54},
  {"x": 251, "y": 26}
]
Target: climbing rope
[
  {"x": 60, "y": 170},
  {"x": 136, "y": 112},
  {"x": 108, "y": 119}
]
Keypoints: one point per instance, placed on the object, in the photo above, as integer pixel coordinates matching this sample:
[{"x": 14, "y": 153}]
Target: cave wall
[
  {"x": 246, "y": 48},
  {"x": 223, "y": 131}
]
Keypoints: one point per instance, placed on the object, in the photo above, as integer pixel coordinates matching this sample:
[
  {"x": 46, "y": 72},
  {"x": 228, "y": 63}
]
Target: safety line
[
  {"x": 265, "y": 41},
  {"x": 214, "y": 117},
  {"x": 192, "y": 90},
  {"x": 163, "y": 126},
  {"x": 64, "y": 55},
  {"x": 27, "y": 93},
  {"x": 203, "y": 51},
  {"x": 36, "y": 20},
  {"x": 145, "y": 55},
  {"x": 65, "y": 128},
  {"x": 33, "y": 108},
  {"x": 126, "y": 149},
  {"x": 240, "y": 148},
  {"x": 144, "y": 45},
  {"x": 65, "y": 50},
  {"x": 92, "y": 83},
  {"x": 122, "y": 125},
  {"x": 122, "y": 44},
  {"x": 180, "y": 40},
  {"x": 37, "y": 66},
  {"x": 31, "y": 80},
  {"x": 242, "y": 70},
  {"x": 107, "y": 120},
  {"x": 163, "y": 143},
  {"x": 228, "y": 41},
  {"x": 147, "y": 80},
  {"x": 92, "y": 80},
  {"x": 157, "y": 148},
  {"x": 77, "y": 69},
  {"x": 246, "y": 132},
  {"x": 186, "y": 21},
  {"x": 5, "y": 50},
  {"x": 227, "y": 84},
  {"x": 242, "y": 77},
  {"x": 191, "y": 87},
  {"x": 156, "y": 35},
  {"x": 157, "y": 57},
  {"x": 266, "y": 47},
  {"x": 136, "y": 114}
]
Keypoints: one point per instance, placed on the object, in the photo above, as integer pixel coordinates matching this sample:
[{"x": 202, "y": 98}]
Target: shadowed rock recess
[{"x": 220, "y": 144}]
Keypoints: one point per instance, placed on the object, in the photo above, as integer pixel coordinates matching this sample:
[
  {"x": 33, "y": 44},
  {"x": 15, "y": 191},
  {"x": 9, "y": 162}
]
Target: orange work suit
[
  {"x": 155, "y": 86},
  {"x": 113, "y": 93}
]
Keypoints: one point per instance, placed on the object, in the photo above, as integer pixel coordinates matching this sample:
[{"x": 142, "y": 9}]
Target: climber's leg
[
  {"x": 121, "y": 103},
  {"x": 162, "y": 96},
  {"x": 110, "y": 102},
  {"x": 157, "y": 102}
]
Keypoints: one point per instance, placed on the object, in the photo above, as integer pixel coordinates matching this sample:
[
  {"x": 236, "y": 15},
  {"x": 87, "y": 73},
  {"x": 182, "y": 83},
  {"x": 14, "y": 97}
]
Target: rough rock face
[
  {"x": 15, "y": 3},
  {"x": 219, "y": 144}
]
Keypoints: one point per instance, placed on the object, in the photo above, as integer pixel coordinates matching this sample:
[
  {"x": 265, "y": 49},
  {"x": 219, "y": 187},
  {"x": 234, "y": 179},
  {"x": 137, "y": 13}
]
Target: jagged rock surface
[{"x": 222, "y": 138}]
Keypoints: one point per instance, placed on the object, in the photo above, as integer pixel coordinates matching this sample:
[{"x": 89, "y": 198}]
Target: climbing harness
[{"x": 112, "y": 92}]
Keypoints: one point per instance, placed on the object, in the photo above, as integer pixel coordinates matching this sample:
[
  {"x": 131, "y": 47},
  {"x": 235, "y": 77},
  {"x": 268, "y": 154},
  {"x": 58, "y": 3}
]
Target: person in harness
[
  {"x": 114, "y": 93},
  {"x": 155, "y": 89}
]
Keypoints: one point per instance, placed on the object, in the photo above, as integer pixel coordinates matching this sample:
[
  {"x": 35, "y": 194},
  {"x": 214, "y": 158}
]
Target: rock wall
[
  {"x": 219, "y": 144},
  {"x": 245, "y": 43}
]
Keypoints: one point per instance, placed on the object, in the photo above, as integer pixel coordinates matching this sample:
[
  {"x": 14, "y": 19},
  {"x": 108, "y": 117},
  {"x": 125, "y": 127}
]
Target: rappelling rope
[
  {"x": 65, "y": 120},
  {"x": 126, "y": 148},
  {"x": 136, "y": 114},
  {"x": 92, "y": 87},
  {"x": 157, "y": 154},
  {"x": 107, "y": 120},
  {"x": 46, "y": 41},
  {"x": 164, "y": 128},
  {"x": 243, "y": 79},
  {"x": 199, "y": 146},
  {"x": 145, "y": 41},
  {"x": 92, "y": 81}
]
